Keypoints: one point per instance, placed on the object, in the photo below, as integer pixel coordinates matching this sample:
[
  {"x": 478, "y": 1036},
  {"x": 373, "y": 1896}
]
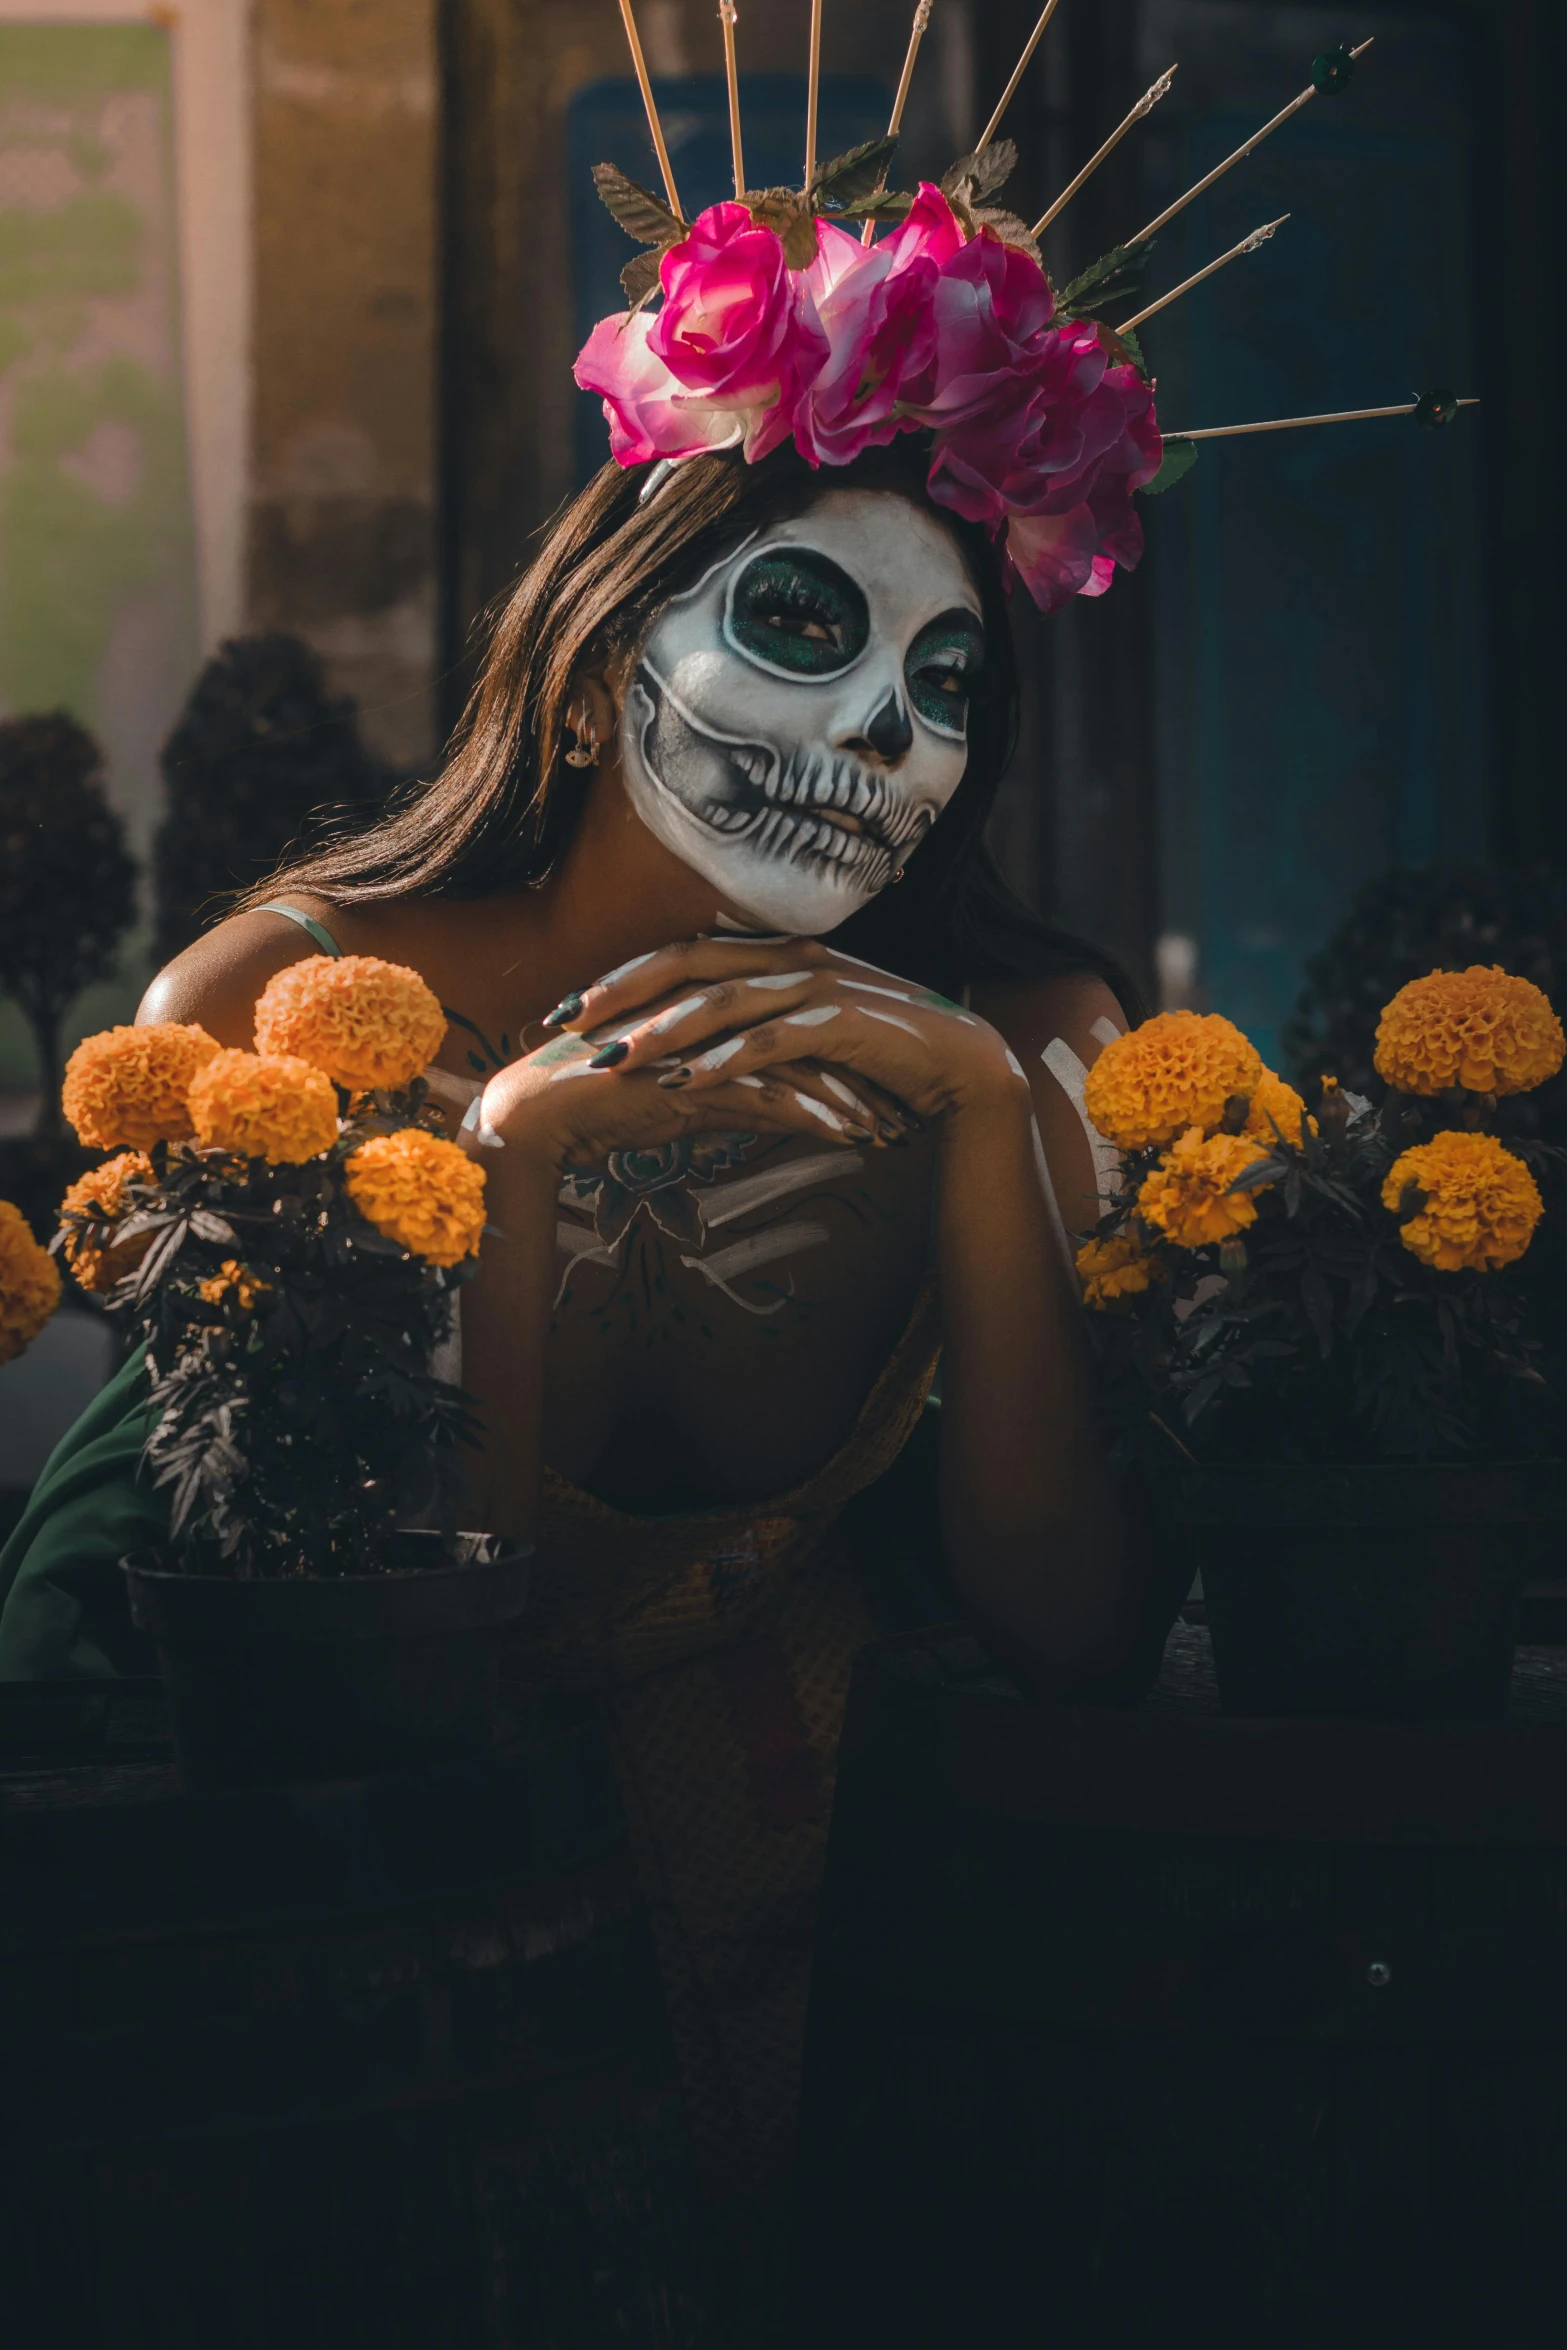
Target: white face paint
[{"x": 798, "y": 720}]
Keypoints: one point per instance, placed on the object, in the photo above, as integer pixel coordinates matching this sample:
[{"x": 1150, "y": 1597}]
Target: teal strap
[{"x": 318, "y": 930}]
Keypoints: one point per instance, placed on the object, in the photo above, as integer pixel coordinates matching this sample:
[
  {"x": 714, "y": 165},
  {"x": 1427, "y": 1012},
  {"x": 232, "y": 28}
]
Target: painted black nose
[{"x": 888, "y": 731}]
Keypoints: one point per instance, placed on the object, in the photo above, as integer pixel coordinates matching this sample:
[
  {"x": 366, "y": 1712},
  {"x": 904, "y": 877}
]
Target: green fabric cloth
[{"x": 63, "y": 1609}]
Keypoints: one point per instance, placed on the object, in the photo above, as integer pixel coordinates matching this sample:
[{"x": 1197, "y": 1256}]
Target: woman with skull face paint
[{"x": 761, "y": 1130}]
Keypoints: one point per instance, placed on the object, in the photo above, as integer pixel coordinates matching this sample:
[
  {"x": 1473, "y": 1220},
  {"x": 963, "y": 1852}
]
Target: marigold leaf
[
  {"x": 800, "y": 241},
  {"x": 1009, "y": 228},
  {"x": 889, "y": 204},
  {"x": 991, "y": 167},
  {"x": 638, "y": 280},
  {"x": 1180, "y": 455},
  {"x": 1115, "y": 273},
  {"x": 637, "y": 210},
  {"x": 854, "y": 174}
]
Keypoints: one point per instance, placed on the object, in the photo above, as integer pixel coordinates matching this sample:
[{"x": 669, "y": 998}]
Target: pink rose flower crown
[{"x": 783, "y": 315}]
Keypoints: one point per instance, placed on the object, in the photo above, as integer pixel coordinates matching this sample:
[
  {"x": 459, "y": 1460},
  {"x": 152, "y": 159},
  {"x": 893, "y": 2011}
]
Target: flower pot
[
  {"x": 319, "y": 1677},
  {"x": 1368, "y": 1589}
]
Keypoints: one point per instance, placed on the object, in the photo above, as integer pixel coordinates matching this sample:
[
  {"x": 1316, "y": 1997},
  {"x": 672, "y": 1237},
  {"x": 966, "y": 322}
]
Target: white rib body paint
[
  {"x": 579, "y": 1247},
  {"x": 899, "y": 995},
  {"x": 813, "y": 1018},
  {"x": 759, "y": 1191},
  {"x": 758, "y": 1248},
  {"x": 1069, "y": 1073},
  {"x": 722, "y": 1053},
  {"x": 1105, "y": 1031},
  {"x": 473, "y": 1123},
  {"x": 675, "y": 1014},
  {"x": 836, "y": 1086},
  {"x": 891, "y": 1019},
  {"x": 623, "y": 970},
  {"x": 777, "y": 979},
  {"x": 819, "y": 1110}
]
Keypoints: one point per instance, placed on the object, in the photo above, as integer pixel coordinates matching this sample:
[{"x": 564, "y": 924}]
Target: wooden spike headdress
[{"x": 777, "y": 321}]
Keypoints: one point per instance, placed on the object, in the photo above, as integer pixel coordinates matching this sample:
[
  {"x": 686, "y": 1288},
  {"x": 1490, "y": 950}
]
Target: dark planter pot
[
  {"x": 1372, "y": 1590},
  {"x": 319, "y": 1677}
]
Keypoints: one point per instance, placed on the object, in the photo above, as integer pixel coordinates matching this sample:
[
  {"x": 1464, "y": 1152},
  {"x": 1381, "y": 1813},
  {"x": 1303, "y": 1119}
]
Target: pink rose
[
  {"x": 738, "y": 327},
  {"x": 650, "y": 413},
  {"x": 992, "y": 308},
  {"x": 876, "y": 309},
  {"x": 1038, "y": 433}
]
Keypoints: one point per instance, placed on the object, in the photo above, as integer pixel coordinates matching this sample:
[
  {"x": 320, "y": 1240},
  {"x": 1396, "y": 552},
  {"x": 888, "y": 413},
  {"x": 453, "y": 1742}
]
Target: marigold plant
[
  {"x": 264, "y": 1106},
  {"x": 1178, "y": 1070},
  {"x": 1334, "y": 1283},
  {"x": 132, "y": 1085},
  {"x": 1188, "y": 1196},
  {"x": 1476, "y": 1205},
  {"x": 369, "y": 1024},
  {"x": 1276, "y": 1109},
  {"x": 89, "y": 1212},
  {"x": 420, "y": 1191},
  {"x": 29, "y": 1283},
  {"x": 1482, "y": 1029},
  {"x": 1114, "y": 1268},
  {"x": 237, "y": 1281}
]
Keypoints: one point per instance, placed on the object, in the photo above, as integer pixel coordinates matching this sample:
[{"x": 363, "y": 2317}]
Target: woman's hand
[
  {"x": 710, "y": 1016},
  {"x": 555, "y": 1106}
]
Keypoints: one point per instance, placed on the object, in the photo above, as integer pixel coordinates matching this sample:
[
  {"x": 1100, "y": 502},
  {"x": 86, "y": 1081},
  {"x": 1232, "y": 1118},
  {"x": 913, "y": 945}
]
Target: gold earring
[
  {"x": 897, "y": 875},
  {"x": 585, "y": 750}
]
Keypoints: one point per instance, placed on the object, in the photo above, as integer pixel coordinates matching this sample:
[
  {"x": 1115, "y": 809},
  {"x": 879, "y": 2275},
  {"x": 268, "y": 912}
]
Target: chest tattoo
[{"x": 655, "y": 1218}]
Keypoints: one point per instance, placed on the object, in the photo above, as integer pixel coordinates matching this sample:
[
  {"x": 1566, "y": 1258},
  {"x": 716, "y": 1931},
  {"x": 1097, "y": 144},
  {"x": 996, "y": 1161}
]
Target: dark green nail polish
[
  {"x": 567, "y": 1009},
  {"x": 676, "y": 1077},
  {"x": 610, "y": 1056}
]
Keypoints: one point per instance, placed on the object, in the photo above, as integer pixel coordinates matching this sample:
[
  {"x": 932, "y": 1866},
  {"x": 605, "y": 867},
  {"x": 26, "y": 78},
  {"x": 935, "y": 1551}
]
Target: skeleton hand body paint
[{"x": 796, "y": 722}]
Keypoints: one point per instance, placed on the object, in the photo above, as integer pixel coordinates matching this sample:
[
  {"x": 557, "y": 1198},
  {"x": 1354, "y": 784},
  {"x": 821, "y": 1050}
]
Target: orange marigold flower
[
  {"x": 29, "y": 1283},
  {"x": 235, "y": 1280},
  {"x": 420, "y": 1191},
  {"x": 1481, "y": 1204},
  {"x": 1177, "y": 1070},
  {"x": 264, "y": 1106},
  {"x": 1113, "y": 1268},
  {"x": 99, "y": 1198},
  {"x": 1276, "y": 1108},
  {"x": 132, "y": 1084},
  {"x": 365, "y": 1022},
  {"x": 1188, "y": 1196},
  {"x": 1483, "y": 1029}
]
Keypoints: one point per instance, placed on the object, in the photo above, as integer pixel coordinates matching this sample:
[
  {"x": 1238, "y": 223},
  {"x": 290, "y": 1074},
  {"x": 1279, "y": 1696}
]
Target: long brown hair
[{"x": 502, "y": 808}]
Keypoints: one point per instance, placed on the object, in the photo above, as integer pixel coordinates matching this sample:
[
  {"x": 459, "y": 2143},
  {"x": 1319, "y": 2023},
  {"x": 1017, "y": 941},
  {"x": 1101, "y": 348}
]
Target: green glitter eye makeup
[
  {"x": 795, "y": 611},
  {"x": 943, "y": 663}
]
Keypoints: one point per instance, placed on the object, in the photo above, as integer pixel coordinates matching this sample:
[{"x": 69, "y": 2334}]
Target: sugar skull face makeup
[{"x": 797, "y": 721}]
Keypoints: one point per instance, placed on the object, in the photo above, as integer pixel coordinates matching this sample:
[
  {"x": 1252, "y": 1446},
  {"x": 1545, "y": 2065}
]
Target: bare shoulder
[
  {"x": 1078, "y": 1007},
  {"x": 217, "y": 980}
]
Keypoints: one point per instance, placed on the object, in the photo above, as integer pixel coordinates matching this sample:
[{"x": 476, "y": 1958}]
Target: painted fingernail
[
  {"x": 567, "y": 1009},
  {"x": 676, "y": 1077},
  {"x": 610, "y": 1056},
  {"x": 889, "y": 1132}
]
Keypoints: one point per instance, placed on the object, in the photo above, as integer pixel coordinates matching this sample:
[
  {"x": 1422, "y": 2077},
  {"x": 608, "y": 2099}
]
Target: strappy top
[
  {"x": 307, "y": 922},
  {"x": 614, "y": 1595}
]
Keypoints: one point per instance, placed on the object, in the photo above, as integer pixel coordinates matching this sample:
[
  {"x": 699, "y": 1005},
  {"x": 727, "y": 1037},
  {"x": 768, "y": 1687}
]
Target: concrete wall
[{"x": 342, "y": 529}]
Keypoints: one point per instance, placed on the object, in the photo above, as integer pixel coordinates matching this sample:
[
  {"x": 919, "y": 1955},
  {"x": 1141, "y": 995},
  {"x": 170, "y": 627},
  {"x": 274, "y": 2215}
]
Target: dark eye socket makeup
[
  {"x": 797, "y": 612},
  {"x": 943, "y": 665}
]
